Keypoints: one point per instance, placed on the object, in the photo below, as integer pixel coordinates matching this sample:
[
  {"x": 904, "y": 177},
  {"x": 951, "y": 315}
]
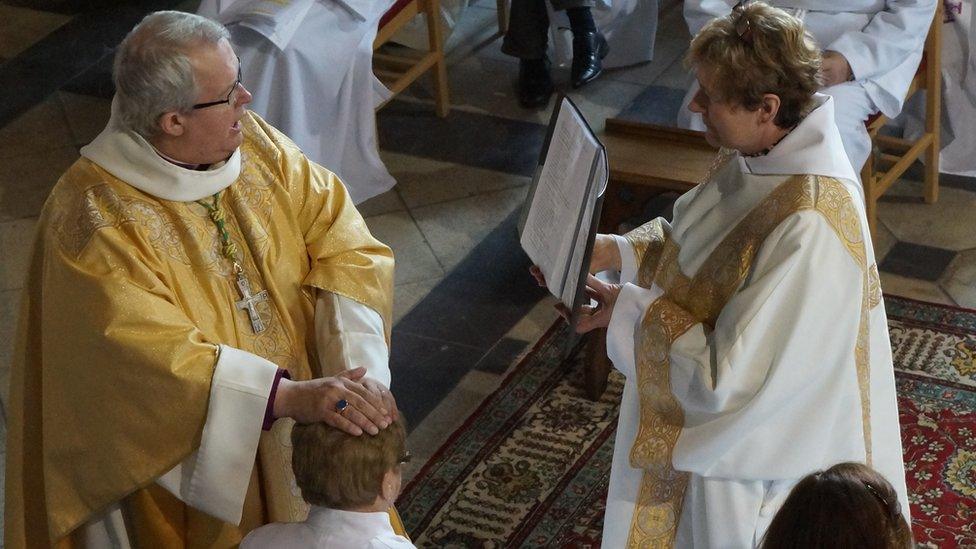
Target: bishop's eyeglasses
[{"x": 230, "y": 96}]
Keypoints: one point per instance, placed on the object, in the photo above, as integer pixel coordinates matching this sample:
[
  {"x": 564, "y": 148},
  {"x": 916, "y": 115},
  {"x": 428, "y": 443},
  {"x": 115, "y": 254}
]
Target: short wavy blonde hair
[{"x": 755, "y": 50}]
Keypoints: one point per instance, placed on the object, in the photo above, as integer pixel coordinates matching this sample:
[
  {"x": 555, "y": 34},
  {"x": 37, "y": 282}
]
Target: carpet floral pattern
[{"x": 530, "y": 467}]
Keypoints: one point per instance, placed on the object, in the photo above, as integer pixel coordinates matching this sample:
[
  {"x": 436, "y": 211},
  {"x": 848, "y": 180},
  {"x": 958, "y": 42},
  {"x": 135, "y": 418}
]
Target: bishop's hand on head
[{"x": 341, "y": 401}]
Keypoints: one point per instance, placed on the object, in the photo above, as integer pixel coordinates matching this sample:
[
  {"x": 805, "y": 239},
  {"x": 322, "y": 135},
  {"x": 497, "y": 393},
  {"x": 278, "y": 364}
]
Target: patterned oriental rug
[{"x": 530, "y": 467}]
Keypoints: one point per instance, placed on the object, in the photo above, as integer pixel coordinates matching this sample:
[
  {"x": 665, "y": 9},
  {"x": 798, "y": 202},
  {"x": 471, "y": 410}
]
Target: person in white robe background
[
  {"x": 309, "y": 64},
  {"x": 958, "y": 139},
  {"x": 750, "y": 328},
  {"x": 872, "y": 49}
]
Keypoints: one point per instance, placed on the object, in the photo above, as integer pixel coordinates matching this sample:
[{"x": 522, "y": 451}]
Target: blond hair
[
  {"x": 341, "y": 471},
  {"x": 755, "y": 50}
]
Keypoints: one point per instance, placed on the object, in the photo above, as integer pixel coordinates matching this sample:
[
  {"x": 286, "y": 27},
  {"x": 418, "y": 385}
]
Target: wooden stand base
[{"x": 645, "y": 160}]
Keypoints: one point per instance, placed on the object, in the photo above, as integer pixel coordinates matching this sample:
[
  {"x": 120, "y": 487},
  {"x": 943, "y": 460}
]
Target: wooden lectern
[{"x": 645, "y": 160}]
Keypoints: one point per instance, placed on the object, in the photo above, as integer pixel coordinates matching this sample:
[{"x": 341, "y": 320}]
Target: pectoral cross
[{"x": 248, "y": 302}]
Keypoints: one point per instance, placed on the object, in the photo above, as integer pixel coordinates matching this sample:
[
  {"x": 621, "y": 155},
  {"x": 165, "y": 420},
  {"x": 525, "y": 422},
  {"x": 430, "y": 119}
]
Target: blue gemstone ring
[{"x": 341, "y": 406}]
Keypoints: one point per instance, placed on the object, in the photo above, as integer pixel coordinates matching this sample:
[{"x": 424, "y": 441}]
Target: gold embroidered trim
[
  {"x": 874, "y": 286},
  {"x": 78, "y": 216},
  {"x": 662, "y": 487},
  {"x": 701, "y": 299},
  {"x": 647, "y": 242}
]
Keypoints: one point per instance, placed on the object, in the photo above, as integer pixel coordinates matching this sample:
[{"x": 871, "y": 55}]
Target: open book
[{"x": 562, "y": 210}]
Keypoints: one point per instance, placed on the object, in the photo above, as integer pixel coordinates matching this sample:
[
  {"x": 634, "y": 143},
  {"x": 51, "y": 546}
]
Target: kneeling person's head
[
  {"x": 352, "y": 473},
  {"x": 848, "y": 505}
]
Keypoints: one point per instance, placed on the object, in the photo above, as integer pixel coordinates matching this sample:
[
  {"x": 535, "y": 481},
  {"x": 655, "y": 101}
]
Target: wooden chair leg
[
  {"x": 503, "y": 16},
  {"x": 439, "y": 74},
  {"x": 933, "y": 105},
  {"x": 932, "y": 170},
  {"x": 597, "y": 364}
]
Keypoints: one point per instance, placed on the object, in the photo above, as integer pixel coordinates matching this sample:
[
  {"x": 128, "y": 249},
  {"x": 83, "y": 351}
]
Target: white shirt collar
[
  {"x": 129, "y": 157},
  {"x": 813, "y": 147},
  {"x": 366, "y": 525}
]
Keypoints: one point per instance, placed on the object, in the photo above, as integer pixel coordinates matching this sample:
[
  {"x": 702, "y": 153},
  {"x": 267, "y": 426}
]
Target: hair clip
[
  {"x": 878, "y": 495},
  {"x": 742, "y": 26}
]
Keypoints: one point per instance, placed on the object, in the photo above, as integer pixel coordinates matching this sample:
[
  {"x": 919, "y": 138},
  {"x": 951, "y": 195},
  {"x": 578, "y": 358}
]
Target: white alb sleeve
[
  {"x": 628, "y": 313},
  {"x": 348, "y": 335},
  {"x": 214, "y": 478},
  {"x": 628, "y": 259}
]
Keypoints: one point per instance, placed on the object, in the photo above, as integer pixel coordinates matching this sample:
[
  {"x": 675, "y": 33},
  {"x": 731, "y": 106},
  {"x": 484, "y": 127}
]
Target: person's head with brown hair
[
  {"x": 850, "y": 505},
  {"x": 758, "y": 69},
  {"x": 351, "y": 473}
]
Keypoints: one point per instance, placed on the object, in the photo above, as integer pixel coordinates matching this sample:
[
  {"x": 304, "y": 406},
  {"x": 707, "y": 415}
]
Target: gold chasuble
[{"x": 127, "y": 299}]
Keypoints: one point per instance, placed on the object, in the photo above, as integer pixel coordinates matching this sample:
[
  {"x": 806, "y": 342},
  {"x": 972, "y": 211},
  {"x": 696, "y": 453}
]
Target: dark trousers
[{"x": 528, "y": 26}]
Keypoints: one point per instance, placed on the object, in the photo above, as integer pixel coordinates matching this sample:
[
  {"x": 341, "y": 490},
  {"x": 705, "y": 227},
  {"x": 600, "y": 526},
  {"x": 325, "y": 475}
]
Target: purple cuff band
[{"x": 269, "y": 417}]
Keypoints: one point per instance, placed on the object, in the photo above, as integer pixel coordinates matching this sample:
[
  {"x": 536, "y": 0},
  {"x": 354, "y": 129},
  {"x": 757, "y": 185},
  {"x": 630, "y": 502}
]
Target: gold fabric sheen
[
  {"x": 648, "y": 243},
  {"x": 128, "y": 297},
  {"x": 699, "y": 299}
]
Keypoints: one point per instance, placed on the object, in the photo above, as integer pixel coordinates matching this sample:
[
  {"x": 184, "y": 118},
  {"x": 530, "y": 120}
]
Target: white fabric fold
[
  {"x": 214, "y": 478},
  {"x": 330, "y": 528},
  {"x": 807, "y": 150},
  {"x": 129, "y": 157},
  {"x": 771, "y": 359},
  {"x": 628, "y": 312},
  {"x": 348, "y": 335},
  {"x": 320, "y": 89},
  {"x": 275, "y": 20}
]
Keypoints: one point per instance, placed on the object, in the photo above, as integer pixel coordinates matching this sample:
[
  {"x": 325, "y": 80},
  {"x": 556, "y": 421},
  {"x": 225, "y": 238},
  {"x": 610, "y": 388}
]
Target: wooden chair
[
  {"x": 891, "y": 156},
  {"x": 399, "y": 70}
]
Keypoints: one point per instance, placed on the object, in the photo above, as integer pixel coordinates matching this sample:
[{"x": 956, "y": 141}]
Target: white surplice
[
  {"x": 313, "y": 79},
  {"x": 882, "y": 41},
  {"x": 771, "y": 393},
  {"x": 330, "y": 529},
  {"x": 215, "y": 478},
  {"x": 958, "y": 92}
]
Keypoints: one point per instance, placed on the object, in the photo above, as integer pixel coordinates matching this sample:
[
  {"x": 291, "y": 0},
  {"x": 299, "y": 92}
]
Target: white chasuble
[{"x": 754, "y": 342}]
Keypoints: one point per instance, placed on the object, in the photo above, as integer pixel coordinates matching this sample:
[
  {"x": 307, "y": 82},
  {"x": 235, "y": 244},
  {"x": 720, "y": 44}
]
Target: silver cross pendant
[{"x": 249, "y": 302}]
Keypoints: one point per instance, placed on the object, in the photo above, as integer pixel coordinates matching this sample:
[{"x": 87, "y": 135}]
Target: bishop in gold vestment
[{"x": 139, "y": 385}]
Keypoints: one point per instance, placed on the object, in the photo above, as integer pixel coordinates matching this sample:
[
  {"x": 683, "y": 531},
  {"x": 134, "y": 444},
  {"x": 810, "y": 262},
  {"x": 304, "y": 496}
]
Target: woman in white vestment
[
  {"x": 750, "y": 328},
  {"x": 309, "y": 64}
]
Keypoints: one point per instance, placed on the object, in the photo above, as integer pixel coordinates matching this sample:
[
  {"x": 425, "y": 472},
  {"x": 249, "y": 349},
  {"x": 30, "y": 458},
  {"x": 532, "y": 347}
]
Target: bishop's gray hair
[{"x": 152, "y": 71}]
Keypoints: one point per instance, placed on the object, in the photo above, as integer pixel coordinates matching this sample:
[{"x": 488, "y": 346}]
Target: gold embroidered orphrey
[{"x": 688, "y": 301}]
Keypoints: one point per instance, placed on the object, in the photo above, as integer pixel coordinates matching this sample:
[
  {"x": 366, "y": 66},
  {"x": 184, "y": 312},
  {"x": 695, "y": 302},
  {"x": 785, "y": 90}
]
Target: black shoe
[
  {"x": 534, "y": 83},
  {"x": 589, "y": 49}
]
